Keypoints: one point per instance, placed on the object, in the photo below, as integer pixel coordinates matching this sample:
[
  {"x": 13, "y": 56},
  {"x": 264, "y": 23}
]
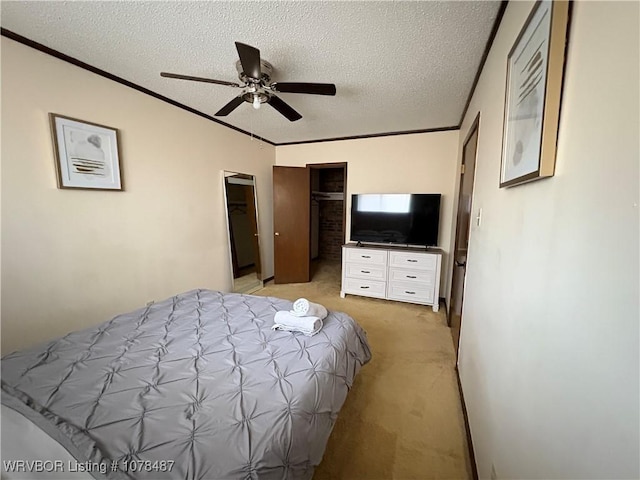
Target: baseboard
[
  {"x": 472, "y": 456},
  {"x": 443, "y": 300},
  {"x": 268, "y": 279}
]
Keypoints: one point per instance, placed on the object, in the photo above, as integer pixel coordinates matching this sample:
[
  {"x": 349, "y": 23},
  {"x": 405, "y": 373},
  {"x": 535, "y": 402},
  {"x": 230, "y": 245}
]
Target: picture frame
[
  {"x": 535, "y": 70},
  {"x": 86, "y": 154}
]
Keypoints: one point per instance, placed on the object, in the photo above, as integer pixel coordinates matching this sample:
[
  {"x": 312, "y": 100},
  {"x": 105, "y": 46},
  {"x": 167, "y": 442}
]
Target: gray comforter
[{"x": 195, "y": 387}]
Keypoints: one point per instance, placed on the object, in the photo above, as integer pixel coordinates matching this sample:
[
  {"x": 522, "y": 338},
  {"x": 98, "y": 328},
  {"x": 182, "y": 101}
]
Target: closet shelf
[{"x": 327, "y": 195}]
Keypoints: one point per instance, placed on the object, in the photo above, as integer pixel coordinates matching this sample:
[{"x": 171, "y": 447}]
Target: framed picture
[
  {"x": 86, "y": 154},
  {"x": 535, "y": 68}
]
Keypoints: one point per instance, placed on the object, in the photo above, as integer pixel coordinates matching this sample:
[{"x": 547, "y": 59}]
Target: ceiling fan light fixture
[{"x": 255, "y": 97}]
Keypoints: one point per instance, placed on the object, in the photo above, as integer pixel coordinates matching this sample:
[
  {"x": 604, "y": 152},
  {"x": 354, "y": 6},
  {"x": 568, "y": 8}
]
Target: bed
[{"x": 194, "y": 387}]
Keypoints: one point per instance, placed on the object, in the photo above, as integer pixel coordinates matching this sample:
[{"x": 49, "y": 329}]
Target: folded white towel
[
  {"x": 304, "y": 308},
  {"x": 292, "y": 323}
]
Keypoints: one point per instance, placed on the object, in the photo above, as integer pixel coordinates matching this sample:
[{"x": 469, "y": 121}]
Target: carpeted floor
[{"x": 402, "y": 418}]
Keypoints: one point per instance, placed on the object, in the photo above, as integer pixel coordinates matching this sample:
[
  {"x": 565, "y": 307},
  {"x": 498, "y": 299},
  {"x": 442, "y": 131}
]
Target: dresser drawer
[
  {"x": 422, "y": 261},
  {"x": 368, "y": 288},
  {"x": 424, "y": 277},
  {"x": 408, "y": 292},
  {"x": 369, "y": 272},
  {"x": 366, "y": 256}
]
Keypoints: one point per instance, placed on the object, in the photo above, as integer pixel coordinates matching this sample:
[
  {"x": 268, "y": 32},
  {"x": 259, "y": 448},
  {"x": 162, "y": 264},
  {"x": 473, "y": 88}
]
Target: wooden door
[
  {"x": 291, "y": 224},
  {"x": 463, "y": 226}
]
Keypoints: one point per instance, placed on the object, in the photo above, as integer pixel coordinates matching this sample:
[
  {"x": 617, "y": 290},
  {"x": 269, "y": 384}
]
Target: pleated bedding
[{"x": 194, "y": 387}]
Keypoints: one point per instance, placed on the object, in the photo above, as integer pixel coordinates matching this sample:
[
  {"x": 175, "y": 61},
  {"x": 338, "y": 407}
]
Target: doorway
[
  {"x": 309, "y": 219},
  {"x": 242, "y": 223},
  {"x": 328, "y": 214},
  {"x": 463, "y": 226}
]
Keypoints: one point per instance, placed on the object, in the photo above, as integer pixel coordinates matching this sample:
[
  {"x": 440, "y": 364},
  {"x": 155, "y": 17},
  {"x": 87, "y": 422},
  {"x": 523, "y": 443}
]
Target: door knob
[
  {"x": 460, "y": 264},
  {"x": 277, "y": 234},
  {"x": 255, "y": 234}
]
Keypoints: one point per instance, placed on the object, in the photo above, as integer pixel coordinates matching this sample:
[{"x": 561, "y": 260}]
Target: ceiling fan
[{"x": 255, "y": 75}]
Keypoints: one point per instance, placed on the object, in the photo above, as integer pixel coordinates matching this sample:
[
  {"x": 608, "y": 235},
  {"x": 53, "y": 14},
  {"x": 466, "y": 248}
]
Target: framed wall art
[
  {"x": 86, "y": 154},
  {"x": 535, "y": 67}
]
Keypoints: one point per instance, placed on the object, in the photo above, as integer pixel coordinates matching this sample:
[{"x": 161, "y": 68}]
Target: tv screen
[{"x": 398, "y": 218}]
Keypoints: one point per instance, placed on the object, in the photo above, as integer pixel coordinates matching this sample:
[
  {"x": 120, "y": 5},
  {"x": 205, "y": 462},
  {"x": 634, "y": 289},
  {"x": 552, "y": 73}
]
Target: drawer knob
[
  {"x": 411, "y": 260},
  {"x": 410, "y": 293},
  {"x": 364, "y": 286},
  {"x": 411, "y": 276},
  {"x": 365, "y": 271}
]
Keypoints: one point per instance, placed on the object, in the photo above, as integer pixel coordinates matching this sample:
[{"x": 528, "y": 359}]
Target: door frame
[
  {"x": 343, "y": 165},
  {"x": 474, "y": 129}
]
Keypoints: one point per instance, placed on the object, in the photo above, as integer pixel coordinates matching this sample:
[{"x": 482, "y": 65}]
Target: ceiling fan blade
[
  {"x": 312, "y": 88},
  {"x": 230, "y": 107},
  {"x": 284, "y": 109},
  {"x": 250, "y": 60},
  {"x": 198, "y": 79}
]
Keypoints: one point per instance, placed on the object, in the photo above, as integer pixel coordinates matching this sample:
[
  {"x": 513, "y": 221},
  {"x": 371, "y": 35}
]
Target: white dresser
[{"x": 403, "y": 274}]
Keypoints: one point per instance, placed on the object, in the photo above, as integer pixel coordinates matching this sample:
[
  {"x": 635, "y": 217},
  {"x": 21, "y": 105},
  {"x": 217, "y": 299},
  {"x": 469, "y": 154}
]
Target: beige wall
[
  {"x": 416, "y": 163},
  {"x": 73, "y": 258},
  {"x": 549, "y": 349}
]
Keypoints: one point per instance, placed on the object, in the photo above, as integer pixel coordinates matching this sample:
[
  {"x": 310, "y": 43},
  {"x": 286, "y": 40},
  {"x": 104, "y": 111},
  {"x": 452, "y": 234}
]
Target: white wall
[
  {"x": 415, "y": 163},
  {"x": 74, "y": 258},
  {"x": 549, "y": 348}
]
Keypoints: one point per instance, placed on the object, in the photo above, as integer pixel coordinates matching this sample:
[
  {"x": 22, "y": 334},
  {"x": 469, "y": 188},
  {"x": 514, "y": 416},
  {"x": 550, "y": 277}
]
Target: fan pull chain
[{"x": 251, "y": 125}]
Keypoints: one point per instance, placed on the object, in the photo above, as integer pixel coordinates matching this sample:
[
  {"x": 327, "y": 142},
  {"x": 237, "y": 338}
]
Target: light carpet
[{"x": 402, "y": 418}]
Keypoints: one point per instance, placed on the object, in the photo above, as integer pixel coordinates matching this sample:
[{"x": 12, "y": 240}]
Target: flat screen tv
[{"x": 396, "y": 218}]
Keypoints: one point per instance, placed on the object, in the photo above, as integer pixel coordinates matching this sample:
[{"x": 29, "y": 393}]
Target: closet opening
[{"x": 328, "y": 216}]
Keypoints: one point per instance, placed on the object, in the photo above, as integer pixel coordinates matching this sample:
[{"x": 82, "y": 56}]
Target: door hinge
[{"x": 462, "y": 170}]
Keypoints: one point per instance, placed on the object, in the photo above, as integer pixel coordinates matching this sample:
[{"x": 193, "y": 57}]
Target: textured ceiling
[{"x": 397, "y": 66}]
